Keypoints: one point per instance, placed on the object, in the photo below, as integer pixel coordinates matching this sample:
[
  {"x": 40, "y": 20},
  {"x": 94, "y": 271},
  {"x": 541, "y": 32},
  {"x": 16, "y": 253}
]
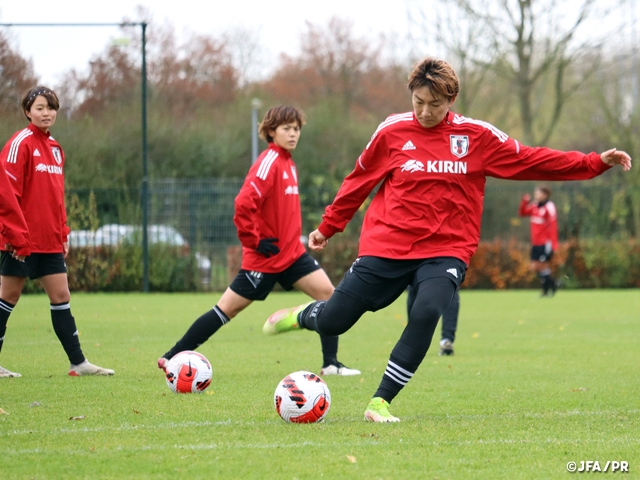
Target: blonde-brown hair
[
  {"x": 277, "y": 116},
  {"x": 436, "y": 74}
]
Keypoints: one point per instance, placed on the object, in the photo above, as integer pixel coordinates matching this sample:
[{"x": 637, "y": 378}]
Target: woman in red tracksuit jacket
[
  {"x": 269, "y": 223},
  {"x": 34, "y": 163},
  {"x": 13, "y": 226},
  {"x": 423, "y": 224}
]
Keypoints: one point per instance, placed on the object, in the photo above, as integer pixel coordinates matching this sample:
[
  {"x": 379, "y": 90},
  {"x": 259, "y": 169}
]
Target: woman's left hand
[
  {"x": 9, "y": 248},
  {"x": 317, "y": 241},
  {"x": 617, "y": 157}
]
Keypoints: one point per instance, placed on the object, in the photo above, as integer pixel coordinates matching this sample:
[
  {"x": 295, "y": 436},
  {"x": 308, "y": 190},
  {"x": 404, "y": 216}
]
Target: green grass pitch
[{"x": 534, "y": 383}]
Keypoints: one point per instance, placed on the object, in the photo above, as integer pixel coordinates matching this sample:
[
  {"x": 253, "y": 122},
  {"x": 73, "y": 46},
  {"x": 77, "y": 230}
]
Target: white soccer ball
[
  {"x": 302, "y": 397},
  {"x": 188, "y": 372}
]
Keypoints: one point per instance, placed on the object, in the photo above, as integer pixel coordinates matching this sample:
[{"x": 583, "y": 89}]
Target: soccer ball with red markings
[
  {"x": 188, "y": 372},
  {"x": 302, "y": 397}
]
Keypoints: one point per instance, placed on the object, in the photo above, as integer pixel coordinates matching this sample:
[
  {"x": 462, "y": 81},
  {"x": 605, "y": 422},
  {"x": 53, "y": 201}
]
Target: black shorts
[
  {"x": 378, "y": 282},
  {"x": 36, "y": 265},
  {"x": 258, "y": 285},
  {"x": 542, "y": 253}
]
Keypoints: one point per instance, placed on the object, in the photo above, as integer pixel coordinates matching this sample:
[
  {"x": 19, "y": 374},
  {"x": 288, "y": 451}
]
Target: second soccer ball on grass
[
  {"x": 188, "y": 372},
  {"x": 302, "y": 397}
]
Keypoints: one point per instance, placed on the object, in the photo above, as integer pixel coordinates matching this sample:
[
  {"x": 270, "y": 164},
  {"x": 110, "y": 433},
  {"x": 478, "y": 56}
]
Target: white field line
[
  {"x": 329, "y": 444},
  {"x": 121, "y": 428},
  {"x": 418, "y": 418},
  {"x": 548, "y": 414}
]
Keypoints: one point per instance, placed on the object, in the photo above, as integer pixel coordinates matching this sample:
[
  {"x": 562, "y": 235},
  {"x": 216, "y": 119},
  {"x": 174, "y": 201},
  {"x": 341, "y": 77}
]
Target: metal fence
[
  {"x": 197, "y": 213},
  {"x": 200, "y": 212}
]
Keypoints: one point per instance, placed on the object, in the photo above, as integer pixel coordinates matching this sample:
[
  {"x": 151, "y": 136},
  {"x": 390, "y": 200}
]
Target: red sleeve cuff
[
  {"x": 600, "y": 166},
  {"x": 250, "y": 242},
  {"x": 327, "y": 230}
]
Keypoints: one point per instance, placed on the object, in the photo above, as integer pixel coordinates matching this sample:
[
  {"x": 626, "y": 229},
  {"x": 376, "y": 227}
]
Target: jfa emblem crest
[
  {"x": 459, "y": 145},
  {"x": 57, "y": 154}
]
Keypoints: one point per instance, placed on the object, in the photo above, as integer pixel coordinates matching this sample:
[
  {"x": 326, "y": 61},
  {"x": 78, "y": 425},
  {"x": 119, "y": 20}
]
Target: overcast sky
[{"x": 55, "y": 50}]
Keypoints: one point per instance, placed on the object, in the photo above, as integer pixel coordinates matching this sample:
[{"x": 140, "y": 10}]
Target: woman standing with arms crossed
[{"x": 34, "y": 163}]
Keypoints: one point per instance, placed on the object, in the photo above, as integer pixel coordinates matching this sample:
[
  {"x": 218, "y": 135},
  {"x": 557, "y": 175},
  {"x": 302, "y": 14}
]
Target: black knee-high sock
[
  {"x": 450, "y": 319},
  {"x": 329, "y": 350},
  {"x": 550, "y": 284},
  {"x": 307, "y": 320},
  {"x": 402, "y": 364},
  {"x": 546, "y": 284},
  {"x": 200, "y": 331},
  {"x": 5, "y": 310},
  {"x": 307, "y": 317},
  {"x": 546, "y": 280},
  {"x": 333, "y": 317},
  {"x": 65, "y": 327},
  {"x": 431, "y": 299}
]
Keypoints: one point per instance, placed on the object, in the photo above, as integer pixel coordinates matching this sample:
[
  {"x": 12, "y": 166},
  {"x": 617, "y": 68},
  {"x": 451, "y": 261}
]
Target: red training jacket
[
  {"x": 13, "y": 226},
  {"x": 544, "y": 222},
  {"x": 432, "y": 180},
  {"x": 34, "y": 162},
  {"x": 268, "y": 206}
]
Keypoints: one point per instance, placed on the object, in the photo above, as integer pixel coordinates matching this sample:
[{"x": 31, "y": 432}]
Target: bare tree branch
[{"x": 537, "y": 46}]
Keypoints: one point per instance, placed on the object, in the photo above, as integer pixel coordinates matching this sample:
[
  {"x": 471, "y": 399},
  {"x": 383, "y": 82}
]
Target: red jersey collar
[
  {"x": 36, "y": 130},
  {"x": 280, "y": 150},
  {"x": 449, "y": 117}
]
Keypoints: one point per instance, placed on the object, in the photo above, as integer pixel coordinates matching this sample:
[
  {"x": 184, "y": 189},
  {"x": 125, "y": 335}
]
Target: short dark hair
[
  {"x": 277, "y": 116},
  {"x": 46, "y": 92},
  {"x": 436, "y": 74}
]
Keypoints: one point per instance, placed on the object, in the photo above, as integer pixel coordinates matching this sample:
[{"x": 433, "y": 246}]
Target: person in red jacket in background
[
  {"x": 269, "y": 224},
  {"x": 34, "y": 163},
  {"x": 423, "y": 224},
  {"x": 13, "y": 226},
  {"x": 544, "y": 235}
]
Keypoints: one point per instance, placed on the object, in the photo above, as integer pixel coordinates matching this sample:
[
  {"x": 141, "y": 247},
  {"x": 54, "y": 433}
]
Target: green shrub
[
  {"x": 601, "y": 263},
  {"x": 503, "y": 264},
  {"x": 120, "y": 269},
  {"x": 499, "y": 264}
]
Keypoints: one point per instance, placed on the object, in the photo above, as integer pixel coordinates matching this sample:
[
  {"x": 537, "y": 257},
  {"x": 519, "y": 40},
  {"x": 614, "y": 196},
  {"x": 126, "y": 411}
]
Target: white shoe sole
[
  {"x": 87, "y": 368},
  {"x": 374, "y": 417},
  {"x": 340, "y": 372}
]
